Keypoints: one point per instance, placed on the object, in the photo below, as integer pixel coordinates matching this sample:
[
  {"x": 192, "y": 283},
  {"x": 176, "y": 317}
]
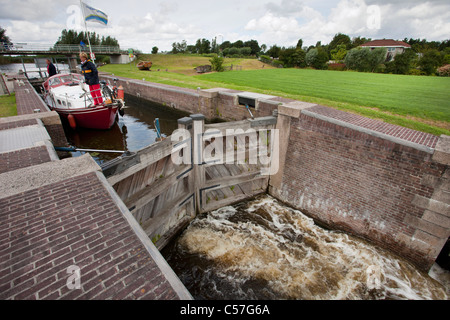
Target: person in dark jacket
[
  {"x": 90, "y": 73},
  {"x": 51, "y": 69}
]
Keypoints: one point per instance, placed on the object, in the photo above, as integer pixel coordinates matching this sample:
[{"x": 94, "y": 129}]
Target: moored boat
[
  {"x": 144, "y": 65},
  {"x": 70, "y": 97}
]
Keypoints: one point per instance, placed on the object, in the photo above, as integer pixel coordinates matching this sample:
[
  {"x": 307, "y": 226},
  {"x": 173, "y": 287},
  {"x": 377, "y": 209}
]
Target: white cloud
[{"x": 144, "y": 24}]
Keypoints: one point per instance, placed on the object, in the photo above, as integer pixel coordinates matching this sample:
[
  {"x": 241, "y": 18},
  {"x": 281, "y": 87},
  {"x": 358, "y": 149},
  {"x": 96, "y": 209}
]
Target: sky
[{"x": 143, "y": 24}]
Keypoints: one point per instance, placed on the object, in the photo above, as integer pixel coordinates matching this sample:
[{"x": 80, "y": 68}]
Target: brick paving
[
  {"x": 73, "y": 222},
  {"x": 18, "y": 124},
  {"x": 10, "y": 161},
  {"x": 407, "y": 134},
  {"x": 27, "y": 98}
]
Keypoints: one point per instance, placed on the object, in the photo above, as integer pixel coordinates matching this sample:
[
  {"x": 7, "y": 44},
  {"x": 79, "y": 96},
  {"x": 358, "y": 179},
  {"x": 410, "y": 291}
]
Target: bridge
[
  {"x": 117, "y": 55},
  {"x": 52, "y": 49}
]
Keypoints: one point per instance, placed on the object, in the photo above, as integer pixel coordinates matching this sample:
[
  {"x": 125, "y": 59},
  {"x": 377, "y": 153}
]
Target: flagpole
[{"x": 85, "y": 26}]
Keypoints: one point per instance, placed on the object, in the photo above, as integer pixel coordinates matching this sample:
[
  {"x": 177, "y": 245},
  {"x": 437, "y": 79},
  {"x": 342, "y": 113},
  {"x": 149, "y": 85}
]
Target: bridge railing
[{"x": 60, "y": 48}]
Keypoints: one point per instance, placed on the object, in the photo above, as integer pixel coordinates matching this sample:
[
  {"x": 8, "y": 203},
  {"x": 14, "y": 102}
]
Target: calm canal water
[{"x": 134, "y": 131}]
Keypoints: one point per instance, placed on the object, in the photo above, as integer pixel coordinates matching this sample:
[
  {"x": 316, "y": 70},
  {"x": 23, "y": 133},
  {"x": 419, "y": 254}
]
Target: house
[{"x": 393, "y": 47}]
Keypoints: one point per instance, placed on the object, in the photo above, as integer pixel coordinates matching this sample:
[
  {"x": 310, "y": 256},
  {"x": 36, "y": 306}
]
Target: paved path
[
  {"x": 403, "y": 133},
  {"x": 27, "y": 98}
]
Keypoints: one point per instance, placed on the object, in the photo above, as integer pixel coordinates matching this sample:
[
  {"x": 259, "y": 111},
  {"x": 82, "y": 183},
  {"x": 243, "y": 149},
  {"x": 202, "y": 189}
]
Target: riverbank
[
  {"x": 424, "y": 107},
  {"x": 8, "y": 107}
]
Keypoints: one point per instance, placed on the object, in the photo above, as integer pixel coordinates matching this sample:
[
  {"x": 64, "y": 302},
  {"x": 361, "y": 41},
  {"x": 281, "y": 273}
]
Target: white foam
[{"x": 300, "y": 260}]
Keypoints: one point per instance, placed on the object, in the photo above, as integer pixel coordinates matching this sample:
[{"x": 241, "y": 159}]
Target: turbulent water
[{"x": 264, "y": 250}]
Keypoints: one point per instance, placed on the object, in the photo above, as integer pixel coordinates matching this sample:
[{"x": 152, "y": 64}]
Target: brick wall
[
  {"x": 214, "y": 103},
  {"x": 364, "y": 183}
]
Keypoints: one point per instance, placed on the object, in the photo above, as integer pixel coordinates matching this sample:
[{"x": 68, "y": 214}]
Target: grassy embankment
[
  {"x": 8, "y": 106},
  {"x": 417, "y": 102}
]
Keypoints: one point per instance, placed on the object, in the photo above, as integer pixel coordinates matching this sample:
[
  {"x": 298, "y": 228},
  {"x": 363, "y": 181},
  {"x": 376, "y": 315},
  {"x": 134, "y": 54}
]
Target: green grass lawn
[
  {"x": 418, "y": 102},
  {"x": 8, "y": 106},
  {"x": 385, "y": 96}
]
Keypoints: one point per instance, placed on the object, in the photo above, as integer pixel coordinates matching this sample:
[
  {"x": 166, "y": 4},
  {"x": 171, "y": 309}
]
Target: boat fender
[
  {"x": 120, "y": 93},
  {"x": 72, "y": 122}
]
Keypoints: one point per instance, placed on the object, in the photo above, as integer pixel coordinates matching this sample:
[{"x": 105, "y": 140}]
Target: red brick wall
[
  {"x": 362, "y": 184},
  {"x": 221, "y": 106}
]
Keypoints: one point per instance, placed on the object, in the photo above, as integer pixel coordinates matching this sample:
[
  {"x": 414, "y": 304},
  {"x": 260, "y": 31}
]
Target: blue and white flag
[{"x": 94, "y": 15}]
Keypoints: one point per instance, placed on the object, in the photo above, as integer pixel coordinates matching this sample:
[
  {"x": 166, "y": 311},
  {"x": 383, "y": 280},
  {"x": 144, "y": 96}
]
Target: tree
[
  {"x": 340, "y": 39},
  {"x": 263, "y": 48},
  {"x": 155, "y": 50},
  {"x": 317, "y": 58},
  {"x": 376, "y": 57},
  {"x": 274, "y": 51},
  {"x": 245, "y": 51},
  {"x": 238, "y": 44},
  {"x": 73, "y": 37},
  {"x": 311, "y": 56},
  {"x": 299, "y": 44},
  {"x": 357, "y": 59},
  {"x": 203, "y": 46},
  {"x": 4, "y": 39},
  {"x": 365, "y": 59},
  {"x": 217, "y": 63},
  {"x": 178, "y": 47},
  {"x": 430, "y": 61},
  {"x": 402, "y": 63},
  {"x": 339, "y": 52},
  {"x": 253, "y": 45},
  {"x": 357, "y": 41},
  {"x": 293, "y": 57},
  {"x": 225, "y": 44}
]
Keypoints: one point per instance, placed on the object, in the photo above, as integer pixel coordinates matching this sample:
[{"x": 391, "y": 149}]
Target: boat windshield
[{"x": 64, "y": 80}]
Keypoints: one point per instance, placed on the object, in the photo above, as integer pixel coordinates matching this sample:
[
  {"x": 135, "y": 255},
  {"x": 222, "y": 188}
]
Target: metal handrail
[{"x": 59, "y": 48}]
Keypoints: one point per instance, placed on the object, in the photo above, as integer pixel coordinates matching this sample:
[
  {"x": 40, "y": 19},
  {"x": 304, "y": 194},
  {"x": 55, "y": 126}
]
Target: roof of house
[{"x": 386, "y": 43}]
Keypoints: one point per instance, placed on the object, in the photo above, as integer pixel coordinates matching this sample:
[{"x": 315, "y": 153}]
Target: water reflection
[{"x": 134, "y": 131}]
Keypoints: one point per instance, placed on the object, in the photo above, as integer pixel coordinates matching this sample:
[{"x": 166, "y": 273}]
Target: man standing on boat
[
  {"x": 51, "y": 69},
  {"x": 91, "y": 77}
]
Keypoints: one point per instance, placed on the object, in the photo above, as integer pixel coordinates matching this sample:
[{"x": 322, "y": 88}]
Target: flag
[{"x": 94, "y": 15}]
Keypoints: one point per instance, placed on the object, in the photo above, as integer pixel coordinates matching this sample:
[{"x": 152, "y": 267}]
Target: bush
[
  {"x": 365, "y": 59},
  {"x": 402, "y": 63},
  {"x": 430, "y": 61},
  {"x": 416, "y": 72},
  {"x": 217, "y": 63},
  {"x": 277, "y": 64},
  {"x": 444, "y": 71},
  {"x": 337, "y": 66},
  {"x": 317, "y": 58}
]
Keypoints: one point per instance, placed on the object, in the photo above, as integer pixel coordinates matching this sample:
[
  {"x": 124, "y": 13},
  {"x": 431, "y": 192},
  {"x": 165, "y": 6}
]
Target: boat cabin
[{"x": 63, "y": 80}]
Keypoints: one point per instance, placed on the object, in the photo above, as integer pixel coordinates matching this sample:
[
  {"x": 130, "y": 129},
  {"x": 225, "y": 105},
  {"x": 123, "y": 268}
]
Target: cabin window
[{"x": 59, "y": 102}]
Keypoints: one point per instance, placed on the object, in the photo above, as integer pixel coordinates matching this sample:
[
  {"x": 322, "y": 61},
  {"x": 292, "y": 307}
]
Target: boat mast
[{"x": 85, "y": 26}]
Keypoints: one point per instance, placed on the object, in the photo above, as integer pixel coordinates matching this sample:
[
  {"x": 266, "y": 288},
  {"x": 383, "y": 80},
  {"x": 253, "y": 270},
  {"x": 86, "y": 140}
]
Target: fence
[{"x": 23, "y": 48}]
